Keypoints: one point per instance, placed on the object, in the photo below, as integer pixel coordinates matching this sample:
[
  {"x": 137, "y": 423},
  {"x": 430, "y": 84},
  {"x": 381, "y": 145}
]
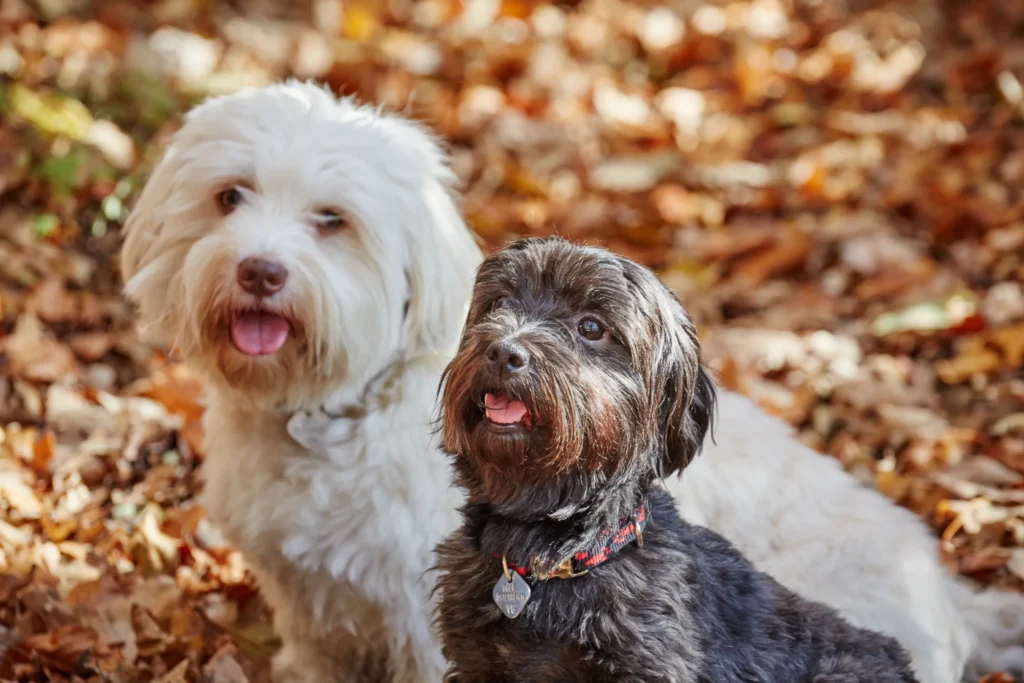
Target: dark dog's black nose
[
  {"x": 261, "y": 277},
  {"x": 507, "y": 355}
]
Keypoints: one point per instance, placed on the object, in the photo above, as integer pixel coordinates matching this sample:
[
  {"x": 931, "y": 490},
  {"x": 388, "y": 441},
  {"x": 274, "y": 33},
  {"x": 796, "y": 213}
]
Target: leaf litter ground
[{"x": 833, "y": 188}]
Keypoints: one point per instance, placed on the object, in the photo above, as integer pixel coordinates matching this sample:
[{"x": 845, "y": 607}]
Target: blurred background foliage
[{"x": 833, "y": 187}]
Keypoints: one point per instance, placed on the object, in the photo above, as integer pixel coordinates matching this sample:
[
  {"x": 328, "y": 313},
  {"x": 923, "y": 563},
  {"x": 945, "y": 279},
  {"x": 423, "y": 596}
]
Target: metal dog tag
[{"x": 512, "y": 595}]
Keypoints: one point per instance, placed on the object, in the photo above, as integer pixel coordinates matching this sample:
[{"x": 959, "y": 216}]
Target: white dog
[
  {"x": 305, "y": 254},
  {"x": 294, "y": 248}
]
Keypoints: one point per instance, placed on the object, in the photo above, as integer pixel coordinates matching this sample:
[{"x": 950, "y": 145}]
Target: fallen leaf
[
  {"x": 42, "y": 453},
  {"x": 91, "y": 346},
  {"x": 23, "y": 501},
  {"x": 54, "y": 114},
  {"x": 58, "y": 530},
  {"x": 65, "y": 647},
  {"x": 929, "y": 316},
  {"x": 178, "y": 389},
  {"x": 787, "y": 253},
  {"x": 998, "y": 678},
  {"x": 36, "y": 356},
  {"x": 1008, "y": 425},
  {"x": 633, "y": 174},
  {"x": 893, "y": 485},
  {"x": 179, "y": 674},
  {"x": 992, "y": 351},
  {"x": 150, "y": 638}
]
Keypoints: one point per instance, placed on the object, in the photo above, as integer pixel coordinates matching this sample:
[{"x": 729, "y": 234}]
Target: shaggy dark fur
[{"x": 612, "y": 408}]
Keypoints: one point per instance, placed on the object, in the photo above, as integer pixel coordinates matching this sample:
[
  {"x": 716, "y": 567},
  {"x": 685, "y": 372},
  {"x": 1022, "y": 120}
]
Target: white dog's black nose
[
  {"x": 507, "y": 355},
  {"x": 261, "y": 277}
]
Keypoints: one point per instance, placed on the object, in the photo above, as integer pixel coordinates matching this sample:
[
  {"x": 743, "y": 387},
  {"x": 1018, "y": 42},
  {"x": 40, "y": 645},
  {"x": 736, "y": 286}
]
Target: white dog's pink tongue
[
  {"x": 258, "y": 333},
  {"x": 502, "y": 410}
]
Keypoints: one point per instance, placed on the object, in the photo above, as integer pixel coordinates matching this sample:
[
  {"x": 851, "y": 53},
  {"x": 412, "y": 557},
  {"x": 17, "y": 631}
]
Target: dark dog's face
[{"x": 577, "y": 368}]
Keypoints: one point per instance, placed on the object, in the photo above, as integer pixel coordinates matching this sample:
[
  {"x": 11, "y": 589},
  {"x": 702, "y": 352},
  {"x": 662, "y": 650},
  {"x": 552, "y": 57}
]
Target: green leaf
[
  {"x": 45, "y": 225},
  {"x": 62, "y": 172}
]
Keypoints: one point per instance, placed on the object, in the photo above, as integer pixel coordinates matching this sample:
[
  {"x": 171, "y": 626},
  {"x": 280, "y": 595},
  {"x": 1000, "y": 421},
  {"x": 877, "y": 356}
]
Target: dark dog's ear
[
  {"x": 687, "y": 402},
  {"x": 681, "y": 393},
  {"x": 686, "y": 427}
]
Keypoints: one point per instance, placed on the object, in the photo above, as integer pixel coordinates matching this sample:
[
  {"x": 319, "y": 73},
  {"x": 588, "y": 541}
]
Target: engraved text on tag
[{"x": 511, "y": 596}]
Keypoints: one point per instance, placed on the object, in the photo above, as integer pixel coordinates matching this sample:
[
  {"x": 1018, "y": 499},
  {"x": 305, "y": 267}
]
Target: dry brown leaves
[{"x": 834, "y": 191}]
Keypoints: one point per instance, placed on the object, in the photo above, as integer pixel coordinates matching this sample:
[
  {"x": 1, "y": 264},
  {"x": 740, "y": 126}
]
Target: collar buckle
[{"x": 563, "y": 571}]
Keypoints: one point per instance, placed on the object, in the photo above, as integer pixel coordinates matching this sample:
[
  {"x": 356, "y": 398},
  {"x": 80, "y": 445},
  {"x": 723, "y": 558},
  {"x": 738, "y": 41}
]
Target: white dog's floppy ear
[
  {"x": 143, "y": 224},
  {"x": 144, "y": 255},
  {"x": 443, "y": 251}
]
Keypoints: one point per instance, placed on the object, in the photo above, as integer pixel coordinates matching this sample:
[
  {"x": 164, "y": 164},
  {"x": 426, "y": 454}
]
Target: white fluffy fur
[
  {"x": 340, "y": 543},
  {"x": 340, "y": 529},
  {"x": 799, "y": 517}
]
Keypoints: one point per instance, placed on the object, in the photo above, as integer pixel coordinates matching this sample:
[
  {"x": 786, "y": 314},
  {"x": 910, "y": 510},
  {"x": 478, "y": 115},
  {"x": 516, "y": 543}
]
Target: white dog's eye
[
  {"x": 229, "y": 199},
  {"x": 329, "y": 220}
]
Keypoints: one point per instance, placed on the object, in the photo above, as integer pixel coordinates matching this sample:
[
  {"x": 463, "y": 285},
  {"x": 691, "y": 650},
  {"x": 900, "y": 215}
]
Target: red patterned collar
[{"x": 609, "y": 542}]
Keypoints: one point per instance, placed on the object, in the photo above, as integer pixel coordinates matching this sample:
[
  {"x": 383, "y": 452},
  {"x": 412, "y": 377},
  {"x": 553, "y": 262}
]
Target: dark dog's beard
[
  {"x": 539, "y": 431},
  {"x": 577, "y": 450}
]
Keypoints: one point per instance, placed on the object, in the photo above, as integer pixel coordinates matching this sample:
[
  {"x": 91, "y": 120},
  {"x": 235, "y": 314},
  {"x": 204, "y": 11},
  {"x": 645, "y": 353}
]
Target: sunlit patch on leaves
[
  {"x": 932, "y": 316},
  {"x": 51, "y": 113},
  {"x": 113, "y": 208}
]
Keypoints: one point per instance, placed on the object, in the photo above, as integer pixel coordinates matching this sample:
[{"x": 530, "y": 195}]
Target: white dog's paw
[{"x": 317, "y": 431}]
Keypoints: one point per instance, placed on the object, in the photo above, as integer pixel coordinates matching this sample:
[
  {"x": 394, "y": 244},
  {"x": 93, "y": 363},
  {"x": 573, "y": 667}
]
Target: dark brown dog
[{"x": 577, "y": 387}]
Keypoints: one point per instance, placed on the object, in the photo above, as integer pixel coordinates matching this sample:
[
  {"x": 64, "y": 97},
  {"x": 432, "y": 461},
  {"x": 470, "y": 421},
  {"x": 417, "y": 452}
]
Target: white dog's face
[{"x": 290, "y": 242}]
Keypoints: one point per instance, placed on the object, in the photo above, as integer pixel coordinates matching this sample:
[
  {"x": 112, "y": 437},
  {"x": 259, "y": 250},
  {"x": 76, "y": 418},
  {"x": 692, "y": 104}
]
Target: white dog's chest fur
[{"x": 345, "y": 536}]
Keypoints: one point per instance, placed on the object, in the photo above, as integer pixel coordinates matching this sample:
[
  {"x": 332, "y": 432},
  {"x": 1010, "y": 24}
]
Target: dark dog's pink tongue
[
  {"x": 503, "y": 410},
  {"x": 259, "y": 333}
]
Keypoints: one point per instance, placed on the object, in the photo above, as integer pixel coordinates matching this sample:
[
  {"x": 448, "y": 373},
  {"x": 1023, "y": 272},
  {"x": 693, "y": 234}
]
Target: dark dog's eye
[
  {"x": 330, "y": 220},
  {"x": 503, "y": 302},
  {"x": 229, "y": 199},
  {"x": 590, "y": 329}
]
